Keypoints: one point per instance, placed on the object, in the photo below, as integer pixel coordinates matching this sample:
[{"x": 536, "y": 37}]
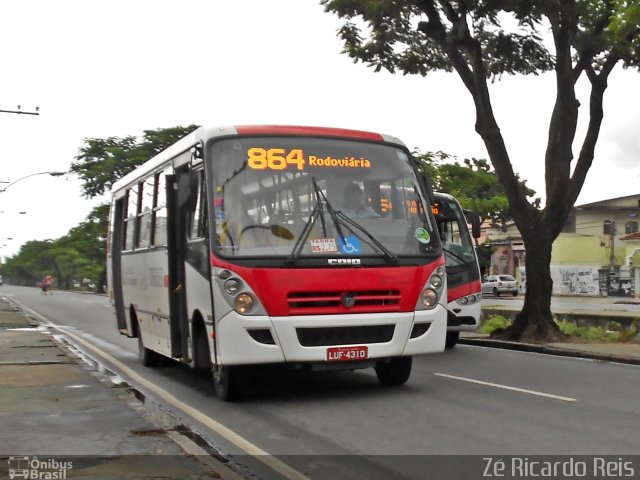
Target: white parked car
[{"x": 497, "y": 284}]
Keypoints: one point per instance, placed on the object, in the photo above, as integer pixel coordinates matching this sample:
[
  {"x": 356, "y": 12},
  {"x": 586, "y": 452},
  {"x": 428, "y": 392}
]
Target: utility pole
[
  {"x": 612, "y": 236},
  {"x": 609, "y": 228}
]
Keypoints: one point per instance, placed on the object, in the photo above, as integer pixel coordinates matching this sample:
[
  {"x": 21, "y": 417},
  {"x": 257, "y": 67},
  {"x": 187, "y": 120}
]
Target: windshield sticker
[
  {"x": 422, "y": 235},
  {"x": 281, "y": 158},
  {"x": 323, "y": 245},
  {"x": 350, "y": 245}
]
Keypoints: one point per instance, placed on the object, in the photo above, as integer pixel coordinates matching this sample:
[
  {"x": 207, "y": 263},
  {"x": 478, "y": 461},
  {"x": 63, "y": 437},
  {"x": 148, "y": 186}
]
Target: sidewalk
[
  {"x": 61, "y": 416},
  {"x": 620, "y": 352},
  {"x": 613, "y": 308}
]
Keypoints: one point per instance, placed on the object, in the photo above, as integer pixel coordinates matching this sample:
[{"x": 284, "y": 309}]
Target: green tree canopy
[
  {"x": 474, "y": 183},
  {"x": 78, "y": 255},
  {"x": 81, "y": 253},
  {"x": 102, "y": 161},
  {"x": 481, "y": 40}
]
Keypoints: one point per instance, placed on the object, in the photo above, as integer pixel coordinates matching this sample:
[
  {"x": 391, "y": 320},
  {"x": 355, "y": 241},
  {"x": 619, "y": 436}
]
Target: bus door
[
  {"x": 188, "y": 244},
  {"x": 117, "y": 240},
  {"x": 180, "y": 195}
]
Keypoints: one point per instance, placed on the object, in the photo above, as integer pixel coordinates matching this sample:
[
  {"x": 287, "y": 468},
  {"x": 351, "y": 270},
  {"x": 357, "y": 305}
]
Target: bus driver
[{"x": 355, "y": 204}]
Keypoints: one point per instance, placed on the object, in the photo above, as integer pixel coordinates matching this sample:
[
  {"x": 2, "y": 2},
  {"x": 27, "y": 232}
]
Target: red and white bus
[
  {"x": 463, "y": 272},
  {"x": 241, "y": 246}
]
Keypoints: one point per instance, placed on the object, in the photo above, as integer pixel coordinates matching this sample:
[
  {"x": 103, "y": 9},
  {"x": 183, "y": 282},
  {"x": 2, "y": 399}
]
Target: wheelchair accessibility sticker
[{"x": 350, "y": 245}]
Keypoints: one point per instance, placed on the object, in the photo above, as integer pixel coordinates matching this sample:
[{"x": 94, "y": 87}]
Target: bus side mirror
[
  {"x": 426, "y": 181},
  {"x": 476, "y": 222}
]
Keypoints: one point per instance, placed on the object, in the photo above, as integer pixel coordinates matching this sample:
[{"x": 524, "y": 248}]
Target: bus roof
[{"x": 202, "y": 134}]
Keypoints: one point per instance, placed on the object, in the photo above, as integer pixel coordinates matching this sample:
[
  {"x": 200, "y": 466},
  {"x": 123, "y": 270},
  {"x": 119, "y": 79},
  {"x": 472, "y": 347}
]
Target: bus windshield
[
  {"x": 306, "y": 197},
  {"x": 454, "y": 233}
]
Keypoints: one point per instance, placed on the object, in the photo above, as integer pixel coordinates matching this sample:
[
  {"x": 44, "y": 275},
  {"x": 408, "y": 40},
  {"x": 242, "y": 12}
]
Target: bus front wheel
[
  {"x": 452, "y": 339},
  {"x": 394, "y": 371},
  {"x": 228, "y": 382}
]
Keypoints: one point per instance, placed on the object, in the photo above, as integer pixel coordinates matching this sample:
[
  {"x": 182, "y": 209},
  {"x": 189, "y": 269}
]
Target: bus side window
[
  {"x": 159, "y": 219},
  {"x": 144, "y": 218},
  {"x": 132, "y": 218},
  {"x": 198, "y": 216}
]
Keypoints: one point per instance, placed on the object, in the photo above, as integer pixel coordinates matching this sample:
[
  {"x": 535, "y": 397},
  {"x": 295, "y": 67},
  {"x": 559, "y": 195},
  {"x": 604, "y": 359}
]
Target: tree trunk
[
  {"x": 102, "y": 281},
  {"x": 535, "y": 322}
]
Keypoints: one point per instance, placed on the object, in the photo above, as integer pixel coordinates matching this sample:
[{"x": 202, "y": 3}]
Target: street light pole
[
  {"x": 19, "y": 111},
  {"x": 53, "y": 174}
]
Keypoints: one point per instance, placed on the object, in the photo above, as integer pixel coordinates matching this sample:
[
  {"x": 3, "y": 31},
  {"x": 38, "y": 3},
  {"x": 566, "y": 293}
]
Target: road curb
[{"x": 548, "y": 350}]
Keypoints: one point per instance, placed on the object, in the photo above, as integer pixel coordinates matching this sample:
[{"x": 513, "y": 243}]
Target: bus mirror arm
[{"x": 187, "y": 190}]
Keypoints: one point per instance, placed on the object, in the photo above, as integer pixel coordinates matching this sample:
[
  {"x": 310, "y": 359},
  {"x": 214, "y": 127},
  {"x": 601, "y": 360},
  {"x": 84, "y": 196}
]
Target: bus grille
[
  {"x": 344, "y": 302},
  {"x": 327, "y": 336}
]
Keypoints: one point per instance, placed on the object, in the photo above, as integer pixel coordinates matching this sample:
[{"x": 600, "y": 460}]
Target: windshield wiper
[
  {"x": 306, "y": 231},
  {"x": 337, "y": 217},
  {"x": 350, "y": 222}
]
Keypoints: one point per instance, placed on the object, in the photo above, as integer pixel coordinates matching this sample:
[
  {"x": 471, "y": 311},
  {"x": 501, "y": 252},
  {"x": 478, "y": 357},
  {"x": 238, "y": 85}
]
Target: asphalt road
[{"x": 469, "y": 400}]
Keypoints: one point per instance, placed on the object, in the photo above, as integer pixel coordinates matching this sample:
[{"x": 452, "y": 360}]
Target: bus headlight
[
  {"x": 243, "y": 303},
  {"x": 435, "y": 281},
  {"x": 232, "y": 286},
  {"x": 429, "y": 298},
  {"x": 433, "y": 290}
]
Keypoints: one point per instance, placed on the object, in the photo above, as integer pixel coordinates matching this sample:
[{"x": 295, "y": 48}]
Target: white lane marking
[
  {"x": 231, "y": 436},
  {"x": 505, "y": 387}
]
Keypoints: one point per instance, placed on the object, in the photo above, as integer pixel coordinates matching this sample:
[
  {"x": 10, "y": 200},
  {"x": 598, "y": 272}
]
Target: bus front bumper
[
  {"x": 463, "y": 318},
  {"x": 263, "y": 339}
]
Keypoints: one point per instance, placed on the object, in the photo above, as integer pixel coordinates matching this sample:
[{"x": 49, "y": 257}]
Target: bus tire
[
  {"x": 452, "y": 339},
  {"x": 148, "y": 357},
  {"x": 228, "y": 382},
  {"x": 201, "y": 352},
  {"x": 394, "y": 371}
]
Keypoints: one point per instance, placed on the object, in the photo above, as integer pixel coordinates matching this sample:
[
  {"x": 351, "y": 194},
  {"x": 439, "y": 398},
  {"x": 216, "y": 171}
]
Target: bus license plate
[{"x": 345, "y": 354}]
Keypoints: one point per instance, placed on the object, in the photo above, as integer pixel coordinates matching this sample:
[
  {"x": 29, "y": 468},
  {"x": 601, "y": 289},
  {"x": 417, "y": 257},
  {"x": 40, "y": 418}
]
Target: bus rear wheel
[
  {"x": 149, "y": 358},
  {"x": 394, "y": 371},
  {"x": 229, "y": 382}
]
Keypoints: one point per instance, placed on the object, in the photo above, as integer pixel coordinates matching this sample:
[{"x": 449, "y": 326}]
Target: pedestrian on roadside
[{"x": 47, "y": 281}]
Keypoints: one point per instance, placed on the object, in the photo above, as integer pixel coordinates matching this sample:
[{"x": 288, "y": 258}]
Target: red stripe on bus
[
  {"x": 285, "y": 291},
  {"x": 462, "y": 290},
  {"x": 306, "y": 131}
]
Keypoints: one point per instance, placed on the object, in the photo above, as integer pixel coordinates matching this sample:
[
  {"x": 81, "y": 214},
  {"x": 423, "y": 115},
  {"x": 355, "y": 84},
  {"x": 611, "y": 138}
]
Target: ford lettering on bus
[{"x": 260, "y": 245}]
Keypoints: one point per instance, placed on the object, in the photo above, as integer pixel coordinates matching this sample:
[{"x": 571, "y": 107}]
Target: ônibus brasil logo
[{"x": 33, "y": 468}]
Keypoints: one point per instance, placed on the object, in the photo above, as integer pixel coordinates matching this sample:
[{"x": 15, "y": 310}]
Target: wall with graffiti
[
  {"x": 575, "y": 280},
  {"x": 620, "y": 287}
]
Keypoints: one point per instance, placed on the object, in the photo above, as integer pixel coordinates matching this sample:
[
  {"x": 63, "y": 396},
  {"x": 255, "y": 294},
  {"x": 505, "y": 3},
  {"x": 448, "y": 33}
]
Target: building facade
[{"x": 597, "y": 254}]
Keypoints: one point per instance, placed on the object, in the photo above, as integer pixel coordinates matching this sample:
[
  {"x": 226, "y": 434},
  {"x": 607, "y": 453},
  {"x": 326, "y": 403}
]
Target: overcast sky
[{"x": 115, "y": 68}]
